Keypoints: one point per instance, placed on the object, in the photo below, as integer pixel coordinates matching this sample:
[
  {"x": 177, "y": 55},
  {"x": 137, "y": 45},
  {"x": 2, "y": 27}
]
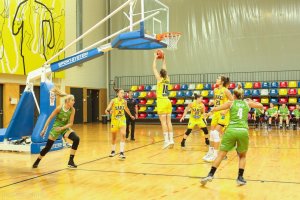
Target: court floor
[{"x": 272, "y": 171}]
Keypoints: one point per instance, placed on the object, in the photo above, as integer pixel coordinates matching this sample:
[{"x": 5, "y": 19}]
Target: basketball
[{"x": 160, "y": 54}]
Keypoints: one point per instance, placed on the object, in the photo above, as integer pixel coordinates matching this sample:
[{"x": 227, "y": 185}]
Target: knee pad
[
  {"x": 47, "y": 148},
  {"x": 188, "y": 132},
  {"x": 75, "y": 140},
  {"x": 205, "y": 131},
  {"x": 215, "y": 136}
]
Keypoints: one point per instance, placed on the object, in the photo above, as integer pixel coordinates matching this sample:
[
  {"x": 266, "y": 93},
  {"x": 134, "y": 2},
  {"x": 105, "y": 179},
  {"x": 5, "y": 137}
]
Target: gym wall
[{"x": 222, "y": 36}]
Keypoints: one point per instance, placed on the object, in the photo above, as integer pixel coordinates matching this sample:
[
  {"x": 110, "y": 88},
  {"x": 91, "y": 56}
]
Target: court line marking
[
  {"x": 185, "y": 176},
  {"x": 59, "y": 170}
]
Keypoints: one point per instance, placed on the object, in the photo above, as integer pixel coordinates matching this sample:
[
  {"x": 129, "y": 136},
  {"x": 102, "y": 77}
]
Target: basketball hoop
[{"x": 170, "y": 38}]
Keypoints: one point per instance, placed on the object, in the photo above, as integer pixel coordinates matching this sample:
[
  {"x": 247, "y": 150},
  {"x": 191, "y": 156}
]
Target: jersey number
[
  {"x": 165, "y": 90},
  {"x": 240, "y": 113}
]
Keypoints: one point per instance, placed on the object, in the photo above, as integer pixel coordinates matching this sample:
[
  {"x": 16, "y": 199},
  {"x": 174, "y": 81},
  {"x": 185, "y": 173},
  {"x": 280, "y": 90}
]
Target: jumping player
[{"x": 164, "y": 106}]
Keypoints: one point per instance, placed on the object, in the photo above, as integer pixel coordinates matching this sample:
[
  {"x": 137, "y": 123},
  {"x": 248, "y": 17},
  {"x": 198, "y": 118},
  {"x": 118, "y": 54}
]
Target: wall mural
[{"x": 31, "y": 31}]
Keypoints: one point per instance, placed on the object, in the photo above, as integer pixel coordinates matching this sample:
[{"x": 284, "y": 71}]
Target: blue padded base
[
  {"x": 37, "y": 147},
  {"x": 2, "y": 134},
  {"x": 136, "y": 40}
]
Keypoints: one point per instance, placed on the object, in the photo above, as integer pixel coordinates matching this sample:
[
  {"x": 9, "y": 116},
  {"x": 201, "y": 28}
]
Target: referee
[{"x": 133, "y": 108}]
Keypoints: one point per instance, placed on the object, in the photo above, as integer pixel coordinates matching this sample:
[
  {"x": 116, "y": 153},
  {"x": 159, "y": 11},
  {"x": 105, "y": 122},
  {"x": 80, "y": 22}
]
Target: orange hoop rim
[{"x": 161, "y": 36}]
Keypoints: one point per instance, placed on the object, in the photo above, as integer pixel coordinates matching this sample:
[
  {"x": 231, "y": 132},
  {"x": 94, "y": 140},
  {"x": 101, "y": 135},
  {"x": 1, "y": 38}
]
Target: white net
[{"x": 171, "y": 39}]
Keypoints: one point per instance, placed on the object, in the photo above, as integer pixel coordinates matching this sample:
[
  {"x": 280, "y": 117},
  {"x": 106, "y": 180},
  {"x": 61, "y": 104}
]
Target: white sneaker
[
  {"x": 204, "y": 180},
  {"x": 207, "y": 155},
  {"x": 166, "y": 145},
  {"x": 211, "y": 158},
  {"x": 171, "y": 146}
]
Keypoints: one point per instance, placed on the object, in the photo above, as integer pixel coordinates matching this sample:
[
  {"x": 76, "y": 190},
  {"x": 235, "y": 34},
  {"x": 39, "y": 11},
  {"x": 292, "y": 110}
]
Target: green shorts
[
  {"x": 233, "y": 137},
  {"x": 284, "y": 117},
  {"x": 56, "y": 134}
]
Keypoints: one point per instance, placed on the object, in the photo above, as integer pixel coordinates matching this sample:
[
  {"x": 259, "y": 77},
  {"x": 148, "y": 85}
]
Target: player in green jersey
[
  {"x": 62, "y": 126},
  {"x": 236, "y": 133},
  {"x": 284, "y": 114},
  {"x": 296, "y": 117}
]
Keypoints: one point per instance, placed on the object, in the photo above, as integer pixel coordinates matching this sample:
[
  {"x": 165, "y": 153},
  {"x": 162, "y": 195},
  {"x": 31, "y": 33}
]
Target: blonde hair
[
  {"x": 238, "y": 91},
  {"x": 68, "y": 97}
]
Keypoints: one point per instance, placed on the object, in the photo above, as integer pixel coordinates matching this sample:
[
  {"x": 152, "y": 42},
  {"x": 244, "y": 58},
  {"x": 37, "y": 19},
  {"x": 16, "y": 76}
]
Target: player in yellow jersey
[
  {"x": 196, "y": 119},
  {"x": 164, "y": 106},
  {"x": 116, "y": 108},
  {"x": 220, "y": 119}
]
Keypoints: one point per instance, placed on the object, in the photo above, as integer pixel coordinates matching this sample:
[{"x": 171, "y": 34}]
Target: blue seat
[
  {"x": 150, "y": 116},
  {"x": 207, "y": 86},
  {"x": 265, "y": 85},
  {"x": 184, "y": 87},
  {"x": 298, "y": 100},
  {"x": 298, "y": 84},
  {"x": 255, "y": 93},
  {"x": 148, "y": 88},
  {"x": 150, "y": 109},
  {"x": 189, "y": 94},
  {"x": 155, "y": 116},
  {"x": 180, "y": 94},
  {"x": 173, "y": 116},
  {"x": 136, "y": 94},
  {"x": 211, "y": 93},
  {"x": 273, "y": 92},
  {"x": 174, "y": 108},
  {"x": 274, "y": 100},
  {"x": 274, "y": 85},
  {"x": 247, "y": 93}
]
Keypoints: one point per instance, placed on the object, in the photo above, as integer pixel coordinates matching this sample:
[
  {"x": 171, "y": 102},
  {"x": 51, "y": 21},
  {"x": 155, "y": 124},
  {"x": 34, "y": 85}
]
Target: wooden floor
[{"x": 272, "y": 171}]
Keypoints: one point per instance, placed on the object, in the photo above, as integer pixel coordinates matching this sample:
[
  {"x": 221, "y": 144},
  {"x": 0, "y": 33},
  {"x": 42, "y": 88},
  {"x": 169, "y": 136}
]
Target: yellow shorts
[
  {"x": 219, "y": 119},
  {"x": 116, "y": 124},
  {"x": 164, "y": 106},
  {"x": 196, "y": 122}
]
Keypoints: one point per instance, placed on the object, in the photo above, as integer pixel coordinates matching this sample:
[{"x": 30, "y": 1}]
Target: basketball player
[
  {"x": 164, "y": 106},
  {"x": 220, "y": 119},
  {"x": 196, "y": 118},
  {"x": 271, "y": 113},
  {"x": 284, "y": 114},
  {"x": 296, "y": 117},
  {"x": 62, "y": 126},
  {"x": 236, "y": 133},
  {"x": 118, "y": 121}
]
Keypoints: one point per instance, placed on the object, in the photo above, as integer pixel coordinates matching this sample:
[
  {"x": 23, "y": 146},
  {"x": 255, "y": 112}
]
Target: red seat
[
  {"x": 283, "y": 84},
  {"x": 214, "y": 86},
  {"x": 143, "y": 101},
  {"x": 150, "y": 94},
  {"x": 180, "y": 109},
  {"x": 205, "y": 100},
  {"x": 141, "y": 88},
  {"x": 257, "y": 85},
  {"x": 173, "y": 101},
  {"x": 179, "y": 115},
  {"x": 266, "y": 107},
  {"x": 142, "y": 115},
  {"x": 231, "y": 85},
  {"x": 292, "y": 107},
  {"x": 256, "y": 99},
  {"x": 206, "y": 108},
  {"x": 292, "y": 91},
  {"x": 283, "y": 100},
  {"x": 154, "y": 94},
  {"x": 126, "y": 95},
  {"x": 176, "y": 87}
]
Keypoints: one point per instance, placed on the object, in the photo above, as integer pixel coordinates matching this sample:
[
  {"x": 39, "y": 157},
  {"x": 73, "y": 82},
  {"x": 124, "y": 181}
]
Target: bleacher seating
[{"x": 181, "y": 95}]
